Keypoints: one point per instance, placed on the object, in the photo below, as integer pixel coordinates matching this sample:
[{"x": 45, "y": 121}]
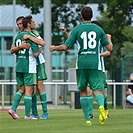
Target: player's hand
[
  {"x": 108, "y": 35},
  {"x": 25, "y": 36},
  {"x": 52, "y": 48},
  {"x": 63, "y": 29},
  {"x": 24, "y": 45}
]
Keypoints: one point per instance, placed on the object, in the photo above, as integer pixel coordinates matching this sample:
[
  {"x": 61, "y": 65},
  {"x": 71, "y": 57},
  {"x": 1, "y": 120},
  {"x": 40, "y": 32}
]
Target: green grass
[{"x": 68, "y": 121}]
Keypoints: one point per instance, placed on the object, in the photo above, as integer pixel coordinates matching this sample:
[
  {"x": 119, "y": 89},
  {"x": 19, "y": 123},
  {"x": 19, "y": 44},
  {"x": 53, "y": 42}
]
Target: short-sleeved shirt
[
  {"x": 25, "y": 61},
  {"x": 89, "y": 37}
]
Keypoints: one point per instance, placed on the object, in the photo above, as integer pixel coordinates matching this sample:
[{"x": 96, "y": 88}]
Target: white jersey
[{"x": 41, "y": 57}]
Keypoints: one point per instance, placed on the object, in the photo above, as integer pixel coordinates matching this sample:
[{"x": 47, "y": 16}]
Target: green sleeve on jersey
[
  {"x": 71, "y": 40},
  {"x": 104, "y": 49},
  {"x": 35, "y": 33},
  {"x": 34, "y": 46}
]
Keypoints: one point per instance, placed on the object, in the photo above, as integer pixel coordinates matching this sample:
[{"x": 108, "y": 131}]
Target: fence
[{"x": 56, "y": 84}]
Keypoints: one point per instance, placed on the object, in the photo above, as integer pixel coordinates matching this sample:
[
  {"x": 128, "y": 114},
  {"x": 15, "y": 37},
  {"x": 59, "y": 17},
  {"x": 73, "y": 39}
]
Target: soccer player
[
  {"x": 87, "y": 36},
  {"x": 103, "y": 53},
  {"x": 15, "y": 49},
  {"x": 41, "y": 73},
  {"x": 89, "y": 91},
  {"x": 26, "y": 66}
]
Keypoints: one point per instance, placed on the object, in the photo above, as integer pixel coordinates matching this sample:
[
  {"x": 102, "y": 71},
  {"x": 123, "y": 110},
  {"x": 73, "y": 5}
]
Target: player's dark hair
[
  {"x": 19, "y": 18},
  {"x": 25, "y": 22},
  {"x": 97, "y": 23},
  {"x": 86, "y": 13},
  {"x": 28, "y": 17}
]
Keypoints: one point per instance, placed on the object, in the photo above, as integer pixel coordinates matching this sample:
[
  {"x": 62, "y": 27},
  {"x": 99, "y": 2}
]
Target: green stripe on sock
[
  {"x": 19, "y": 93},
  {"x": 89, "y": 97},
  {"x": 83, "y": 97},
  {"x": 28, "y": 97},
  {"x": 43, "y": 93}
]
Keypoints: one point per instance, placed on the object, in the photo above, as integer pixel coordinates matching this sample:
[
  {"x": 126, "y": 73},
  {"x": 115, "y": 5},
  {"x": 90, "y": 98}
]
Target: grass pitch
[{"x": 68, "y": 121}]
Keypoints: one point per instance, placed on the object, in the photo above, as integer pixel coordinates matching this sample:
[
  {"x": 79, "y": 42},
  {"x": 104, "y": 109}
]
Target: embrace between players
[{"x": 30, "y": 69}]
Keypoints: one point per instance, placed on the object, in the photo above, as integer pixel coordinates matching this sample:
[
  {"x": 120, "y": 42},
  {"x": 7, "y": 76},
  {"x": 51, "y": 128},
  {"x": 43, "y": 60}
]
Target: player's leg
[
  {"x": 29, "y": 81},
  {"x": 96, "y": 84},
  {"x": 84, "y": 99},
  {"x": 106, "y": 103},
  {"x": 34, "y": 105},
  {"x": 89, "y": 94},
  {"x": 17, "y": 96},
  {"x": 40, "y": 87},
  {"x": 43, "y": 99},
  {"x": 106, "y": 98},
  {"x": 100, "y": 100}
]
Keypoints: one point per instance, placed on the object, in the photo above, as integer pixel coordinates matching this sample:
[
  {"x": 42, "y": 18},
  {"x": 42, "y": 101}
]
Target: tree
[{"x": 115, "y": 19}]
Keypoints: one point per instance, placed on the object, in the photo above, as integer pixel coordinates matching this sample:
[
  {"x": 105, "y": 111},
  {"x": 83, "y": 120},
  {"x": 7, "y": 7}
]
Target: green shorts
[
  {"x": 90, "y": 77},
  {"x": 26, "y": 79},
  {"x": 41, "y": 72}
]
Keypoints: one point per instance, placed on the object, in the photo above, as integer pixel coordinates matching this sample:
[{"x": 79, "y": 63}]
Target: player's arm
[
  {"x": 15, "y": 49},
  {"x": 35, "y": 49},
  {"x": 58, "y": 48},
  {"x": 38, "y": 41},
  {"x": 36, "y": 54},
  {"x": 110, "y": 46},
  {"x": 68, "y": 43},
  {"x": 64, "y": 32},
  {"x": 105, "y": 53}
]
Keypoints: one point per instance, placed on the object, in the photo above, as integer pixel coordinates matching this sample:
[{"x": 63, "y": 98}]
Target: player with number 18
[{"x": 88, "y": 38}]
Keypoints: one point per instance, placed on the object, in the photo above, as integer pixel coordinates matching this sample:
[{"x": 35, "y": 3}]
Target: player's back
[
  {"x": 25, "y": 60},
  {"x": 87, "y": 36}
]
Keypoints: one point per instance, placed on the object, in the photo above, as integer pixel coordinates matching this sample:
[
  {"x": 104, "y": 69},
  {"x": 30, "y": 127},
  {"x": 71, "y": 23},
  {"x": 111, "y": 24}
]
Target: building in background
[{"x": 7, "y": 60}]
